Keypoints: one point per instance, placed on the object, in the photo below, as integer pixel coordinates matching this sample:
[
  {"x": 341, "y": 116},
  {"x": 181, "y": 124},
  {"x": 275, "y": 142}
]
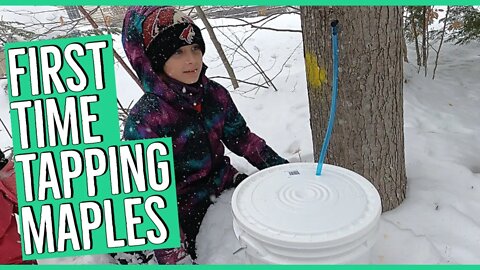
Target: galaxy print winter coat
[{"x": 199, "y": 118}]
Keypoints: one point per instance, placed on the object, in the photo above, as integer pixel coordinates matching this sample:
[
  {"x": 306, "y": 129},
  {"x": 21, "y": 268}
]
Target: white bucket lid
[{"x": 289, "y": 205}]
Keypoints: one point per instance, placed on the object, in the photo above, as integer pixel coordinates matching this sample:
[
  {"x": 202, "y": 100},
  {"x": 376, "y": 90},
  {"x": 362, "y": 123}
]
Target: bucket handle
[{"x": 252, "y": 244}]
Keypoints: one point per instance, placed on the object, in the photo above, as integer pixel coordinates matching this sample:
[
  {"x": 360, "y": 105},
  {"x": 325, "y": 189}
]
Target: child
[{"x": 165, "y": 49}]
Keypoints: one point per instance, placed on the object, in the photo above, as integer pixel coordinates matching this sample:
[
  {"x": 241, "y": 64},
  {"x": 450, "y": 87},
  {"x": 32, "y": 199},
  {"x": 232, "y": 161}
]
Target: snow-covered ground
[{"x": 437, "y": 223}]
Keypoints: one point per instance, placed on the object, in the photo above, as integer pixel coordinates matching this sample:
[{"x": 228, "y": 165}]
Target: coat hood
[{"x": 132, "y": 41}]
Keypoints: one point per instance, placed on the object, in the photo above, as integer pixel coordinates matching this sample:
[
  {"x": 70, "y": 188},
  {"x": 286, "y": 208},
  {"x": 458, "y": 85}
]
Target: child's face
[{"x": 185, "y": 64}]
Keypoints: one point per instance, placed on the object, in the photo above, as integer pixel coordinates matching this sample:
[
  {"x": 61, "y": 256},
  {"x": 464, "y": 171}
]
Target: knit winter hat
[{"x": 165, "y": 31}]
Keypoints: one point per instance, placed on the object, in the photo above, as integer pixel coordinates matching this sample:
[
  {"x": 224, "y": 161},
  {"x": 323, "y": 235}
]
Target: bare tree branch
[
  {"x": 248, "y": 56},
  {"x": 247, "y": 23},
  {"x": 8, "y": 131},
  {"x": 288, "y": 58},
  {"x": 117, "y": 56},
  {"x": 217, "y": 45},
  {"x": 296, "y": 9},
  {"x": 277, "y": 29},
  {"x": 242, "y": 81},
  {"x": 441, "y": 41}
]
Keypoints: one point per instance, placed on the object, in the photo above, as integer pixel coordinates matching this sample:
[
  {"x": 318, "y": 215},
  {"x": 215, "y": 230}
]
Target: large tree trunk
[{"x": 368, "y": 132}]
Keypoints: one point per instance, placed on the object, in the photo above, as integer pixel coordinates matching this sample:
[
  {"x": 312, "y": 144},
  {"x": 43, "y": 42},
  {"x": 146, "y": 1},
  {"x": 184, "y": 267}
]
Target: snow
[
  {"x": 439, "y": 218},
  {"x": 442, "y": 140}
]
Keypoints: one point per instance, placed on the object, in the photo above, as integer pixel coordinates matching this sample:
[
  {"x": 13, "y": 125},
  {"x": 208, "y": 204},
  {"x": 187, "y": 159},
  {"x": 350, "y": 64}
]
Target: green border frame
[
  {"x": 231, "y": 3},
  {"x": 248, "y": 2},
  {"x": 250, "y": 267}
]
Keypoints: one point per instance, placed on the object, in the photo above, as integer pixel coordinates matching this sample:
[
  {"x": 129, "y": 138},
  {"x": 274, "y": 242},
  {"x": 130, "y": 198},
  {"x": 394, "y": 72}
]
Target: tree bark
[{"x": 368, "y": 132}]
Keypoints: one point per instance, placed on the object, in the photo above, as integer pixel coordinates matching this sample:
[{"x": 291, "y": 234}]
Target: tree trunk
[
  {"x": 404, "y": 49},
  {"x": 445, "y": 20},
  {"x": 413, "y": 22},
  {"x": 368, "y": 132},
  {"x": 404, "y": 41},
  {"x": 425, "y": 39}
]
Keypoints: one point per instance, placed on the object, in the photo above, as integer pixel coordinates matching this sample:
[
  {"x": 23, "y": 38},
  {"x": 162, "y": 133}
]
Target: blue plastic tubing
[{"x": 331, "y": 119}]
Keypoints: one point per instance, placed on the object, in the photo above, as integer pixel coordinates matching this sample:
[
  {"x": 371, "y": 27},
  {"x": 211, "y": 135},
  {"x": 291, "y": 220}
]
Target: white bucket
[{"x": 288, "y": 215}]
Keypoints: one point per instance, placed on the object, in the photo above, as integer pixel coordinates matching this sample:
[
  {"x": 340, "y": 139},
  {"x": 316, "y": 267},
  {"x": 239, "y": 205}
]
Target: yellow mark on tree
[{"x": 315, "y": 75}]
